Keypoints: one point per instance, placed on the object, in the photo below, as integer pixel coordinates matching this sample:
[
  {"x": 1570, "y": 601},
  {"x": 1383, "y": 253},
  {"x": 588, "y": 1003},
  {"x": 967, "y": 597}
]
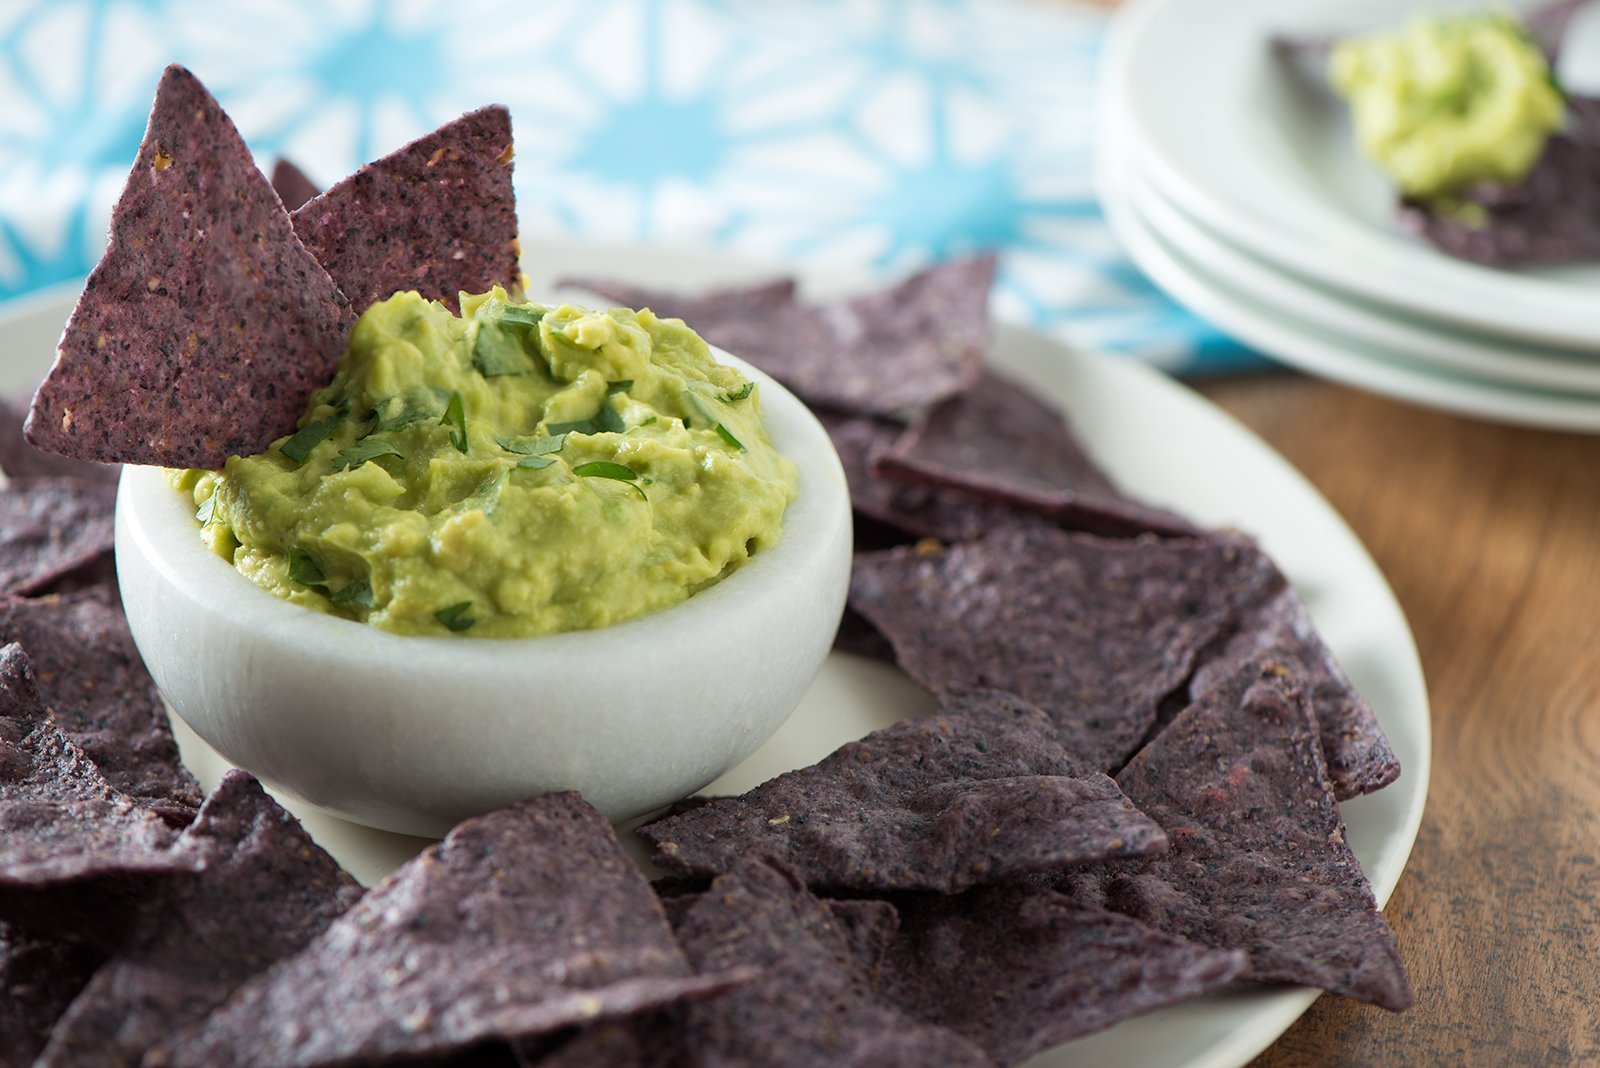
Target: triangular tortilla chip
[
  {"x": 90, "y": 673},
  {"x": 1018, "y": 969},
  {"x": 437, "y": 216},
  {"x": 1258, "y": 859},
  {"x": 889, "y": 353},
  {"x": 51, "y": 528},
  {"x": 292, "y": 185},
  {"x": 206, "y": 325},
  {"x": 980, "y": 793},
  {"x": 518, "y": 924},
  {"x": 39, "y": 977},
  {"x": 811, "y": 1002},
  {"x": 22, "y": 462},
  {"x": 1095, "y": 631},
  {"x": 265, "y": 892},
  {"x": 60, "y": 821},
  {"x": 998, "y": 442}
]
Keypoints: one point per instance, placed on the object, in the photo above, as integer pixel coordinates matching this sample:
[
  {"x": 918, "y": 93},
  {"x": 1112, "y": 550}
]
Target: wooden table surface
[{"x": 1490, "y": 536}]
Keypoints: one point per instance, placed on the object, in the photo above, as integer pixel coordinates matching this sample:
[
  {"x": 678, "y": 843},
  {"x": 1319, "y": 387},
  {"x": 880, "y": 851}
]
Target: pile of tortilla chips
[{"x": 1127, "y": 797}]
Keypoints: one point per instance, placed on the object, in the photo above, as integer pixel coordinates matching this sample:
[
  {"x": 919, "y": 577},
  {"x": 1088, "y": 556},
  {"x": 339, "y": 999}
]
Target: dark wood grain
[{"x": 1490, "y": 536}]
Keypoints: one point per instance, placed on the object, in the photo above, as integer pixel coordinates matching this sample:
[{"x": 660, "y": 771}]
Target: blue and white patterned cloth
[{"x": 883, "y": 133}]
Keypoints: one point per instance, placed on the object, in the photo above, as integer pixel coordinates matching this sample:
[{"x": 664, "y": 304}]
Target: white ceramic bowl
[{"x": 414, "y": 734}]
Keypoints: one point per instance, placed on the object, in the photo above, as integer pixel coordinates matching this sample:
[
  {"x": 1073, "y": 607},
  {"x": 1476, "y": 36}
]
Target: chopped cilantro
[
  {"x": 519, "y": 315},
  {"x": 620, "y": 386},
  {"x": 455, "y": 617},
  {"x": 539, "y": 446},
  {"x": 358, "y": 593},
  {"x": 207, "y": 510},
  {"x": 727, "y": 435},
  {"x": 455, "y": 417},
  {"x": 534, "y": 463},
  {"x": 308, "y": 437},
  {"x": 496, "y": 352},
  {"x": 611, "y": 470},
  {"x": 364, "y": 450},
  {"x": 743, "y": 392},
  {"x": 303, "y": 569}
]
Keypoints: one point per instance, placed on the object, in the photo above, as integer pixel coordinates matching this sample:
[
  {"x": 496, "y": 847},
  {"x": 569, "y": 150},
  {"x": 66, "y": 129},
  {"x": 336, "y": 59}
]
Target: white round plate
[
  {"x": 1424, "y": 341},
  {"x": 1224, "y": 129},
  {"x": 1158, "y": 439},
  {"x": 1326, "y": 352}
]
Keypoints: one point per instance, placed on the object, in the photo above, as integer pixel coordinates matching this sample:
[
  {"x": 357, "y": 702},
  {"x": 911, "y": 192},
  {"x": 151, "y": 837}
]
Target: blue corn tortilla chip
[
  {"x": 437, "y": 216},
  {"x": 1357, "y": 752},
  {"x": 206, "y": 325},
  {"x": 22, "y": 463},
  {"x": 51, "y": 528},
  {"x": 889, "y": 353},
  {"x": 1095, "y": 631},
  {"x": 60, "y": 820},
  {"x": 92, "y": 677},
  {"x": 1019, "y": 969},
  {"x": 811, "y": 1002},
  {"x": 917, "y": 510},
  {"x": 40, "y": 974},
  {"x": 1550, "y": 216},
  {"x": 981, "y": 793},
  {"x": 292, "y": 185},
  {"x": 1258, "y": 860},
  {"x": 520, "y": 923},
  {"x": 999, "y": 443},
  {"x": 264, "y": 892}
]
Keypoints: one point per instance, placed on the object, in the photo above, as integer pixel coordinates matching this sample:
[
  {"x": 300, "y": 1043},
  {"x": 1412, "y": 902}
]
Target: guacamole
[
  {"x": 517, "y": 471},
  {"x": 1450, "y": 101}
]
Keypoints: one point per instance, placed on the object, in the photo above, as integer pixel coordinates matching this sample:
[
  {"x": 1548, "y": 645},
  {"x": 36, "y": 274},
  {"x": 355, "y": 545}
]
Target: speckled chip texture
[
  {"x": 519, "y": 923},
  {"x": 60, "y": 821},
  {"x": 23, "y": 464},
  {"x": 999, "y": 442},
  {"x": 889, "y": 353},
  {"x": 1258, "y": 859},
  {"x": 1095, "y": 631},
  {"x": 1019, "y": 969},
  {"x": 979, "y": 794},
  {"x": 811, "y": 1003},
  {"x": 91, "y": 675},
  {"x": 206, "y": 325},
  {"x": 50, "y": 528},
  {"x": 264, "y": 892},
  {"x": 437, "y": 216},
  {"x": 1278, "y": 627}
]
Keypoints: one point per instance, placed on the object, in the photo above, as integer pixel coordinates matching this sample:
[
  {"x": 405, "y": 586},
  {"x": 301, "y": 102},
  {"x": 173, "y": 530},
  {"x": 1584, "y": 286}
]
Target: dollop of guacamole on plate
[
  {"x": 1450, "y": 101},
  {"x": 517, "y": 471}
]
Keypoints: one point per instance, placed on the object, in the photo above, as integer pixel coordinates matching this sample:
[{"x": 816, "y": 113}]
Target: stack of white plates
[{"x": 1235, "y": 183}]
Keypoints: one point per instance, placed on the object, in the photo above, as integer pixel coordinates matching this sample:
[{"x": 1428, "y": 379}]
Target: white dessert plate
[
  {"x": 1158, "y": 439},
  {"x": 1229, "y": 133},
  {"x": 1427, "y": 342},
  {"x": 1319, "y": 349}
]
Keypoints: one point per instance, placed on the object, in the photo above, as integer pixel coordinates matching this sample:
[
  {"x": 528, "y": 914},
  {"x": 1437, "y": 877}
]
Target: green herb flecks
[
  {"x": 533, "y": 446},
  {"x": 456, "y": 617},
  {"x": 308, "y": 437},
  {"x": 303, "y": 569},
  {"x": 496, "y": 352},
  {"x": 518, "y": 315},
  {"x": 358, "y": 593},
  {"x": 620, "y": 386},
  {"x": 743, "y": 392},
  {"x": 615, "y": 471},
  {"x": 207, "y": 510},
  {"x": 364, "y": 450},
  {"x": 606, "y": 421},
  {"x": 455, "y": 417},
  {"x": 533, "y": 463},
  {"x": 727, "y": 435},
  {"x": 707, "y": 415}
]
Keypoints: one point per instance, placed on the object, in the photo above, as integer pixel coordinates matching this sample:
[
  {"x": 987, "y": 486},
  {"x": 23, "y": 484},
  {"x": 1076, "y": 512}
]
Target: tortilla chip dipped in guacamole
[
  {"x": 1449, "y": 101},
  {"x": 517, "y": 471}
]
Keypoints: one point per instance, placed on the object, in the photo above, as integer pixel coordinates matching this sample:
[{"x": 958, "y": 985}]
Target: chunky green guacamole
[
  {"x": 1450, "y": 101},
  {"x": 517, "y": 471}
]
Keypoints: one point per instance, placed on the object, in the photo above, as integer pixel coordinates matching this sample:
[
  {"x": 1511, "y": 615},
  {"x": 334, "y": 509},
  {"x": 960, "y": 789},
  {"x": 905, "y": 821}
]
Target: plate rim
[
  {"x": 1271, "y": 1011},
  {"x": 1438, "y": 286}
]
